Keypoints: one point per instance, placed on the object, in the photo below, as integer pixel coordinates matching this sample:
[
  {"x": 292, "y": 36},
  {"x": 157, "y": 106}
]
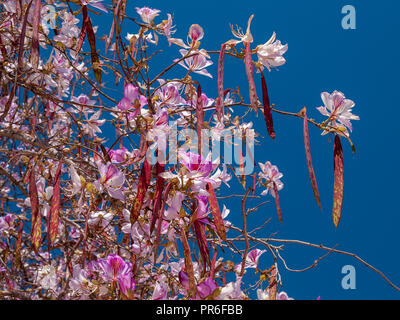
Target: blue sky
[{"x": 322, "y": 56}]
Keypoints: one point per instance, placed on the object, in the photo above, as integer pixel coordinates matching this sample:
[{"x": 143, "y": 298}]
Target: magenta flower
[
  {"x": 338, "y": 109},
  {"x": 195, "y": 163},
  {"x": 202, "y": 209},
  {"x": 114, "y": 267},
  {"x": 118, "y": 155},
  {"x": 126, "y": 284},
  {"x": 207, "y": 287},
  {"x": 110, "y": 179}
]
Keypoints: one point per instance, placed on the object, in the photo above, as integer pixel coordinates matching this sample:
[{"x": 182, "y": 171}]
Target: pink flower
[
  {"x": 169, "y": 94},
  {"x": 196, "y": 63},
  {"x": 111, "y": 179},
  {"x": 132, "y": 100},
  {"x": 272, "y": 175},
  {"x": 202, "y": 210},
  {"x": 252, "y": 258},
  {"x": 195, "y": 163},
  {"x": 6, "y": 222},
  {"x": 160, "y": 291},
  {"x": 147, "y": 14},
  {"x": 126, "y": 284},
  {"x": 91, "y": 127},
  {"x": 338, "y": 109},
  {"x": 271, "y": 53},
  {"x": 119, "y": 155},
  {"x": 166, "y": 26},
  {"x": 196, "y": 32},
  {"x": 114, "y": 267},
  {"x": 207, "y": 287}
]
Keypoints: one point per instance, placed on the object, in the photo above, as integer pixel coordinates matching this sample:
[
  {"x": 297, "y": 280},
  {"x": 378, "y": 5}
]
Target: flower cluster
[{"x": 87, "y": 209}]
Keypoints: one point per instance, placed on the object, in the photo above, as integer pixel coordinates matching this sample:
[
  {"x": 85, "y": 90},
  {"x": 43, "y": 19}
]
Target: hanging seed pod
[
  {"x": 339, "y": 183},
  {"x": 309, "y": 160},
  {"x": 267, "y": 107},
  {"x": 216, "y": 213},
  {"x": 248, "y": 62},
  {"x": 55, "y": 205}
]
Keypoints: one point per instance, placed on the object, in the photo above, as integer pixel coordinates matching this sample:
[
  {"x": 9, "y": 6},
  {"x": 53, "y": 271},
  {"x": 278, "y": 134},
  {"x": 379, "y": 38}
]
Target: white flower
[
  {"x": 270, "y": 54},
  {"x": 100, "y": 217},
  {"x": 48, "y": 277},
  {"x": 147, "y": 14},
  {"x": 272, "y": 175},
  {"x": 196, "y": 63},
  {"x": 91, "y": 127},
  {"x": 243, "y": 37},
  {"x": 231, "y": 291},
  {"x": 338, "y": 109}
]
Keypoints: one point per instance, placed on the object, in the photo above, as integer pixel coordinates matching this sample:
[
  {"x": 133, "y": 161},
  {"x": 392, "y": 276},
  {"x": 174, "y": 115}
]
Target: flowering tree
[{"x": 138, "y": 216}]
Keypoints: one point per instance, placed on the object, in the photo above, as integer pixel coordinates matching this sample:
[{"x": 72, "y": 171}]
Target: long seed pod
[
  {"x": 19, "y": 242},
  {"x": 85, "y": 20},
  {"x": 220, "y": 100},
  {"x": 309, "y": 160},
  {"x": 272, "y": 284},
  {"x": 248, "y": 62},
  {"x": 144, "y": 182},
  {"x": 200, "y": 118},
  {"x": 200, "y": 231},
  {"x": 213, "y": 262},
  {"x": 339, "y": 183},
  {"x": 92, "y": 42},
  {"x": 35, "y": 214},
  {"x": 55, "y": 205},
  {"x": 277, "y": 203},
  {"x": 106, "y": 155},
  {"x": 188, "y": 264},
  {"x": 35, "y": 34},
  {"x": 158, "y": 235},
  {"x": 216, "y": 213},
  {"x": 267, "y": 107},
  {"x": 157, "y": 196},
  {"x": 19, "y": 61}
]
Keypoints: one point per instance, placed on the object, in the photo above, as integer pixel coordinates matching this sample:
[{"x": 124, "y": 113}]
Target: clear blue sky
[{"x": 322, "y": 56}]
